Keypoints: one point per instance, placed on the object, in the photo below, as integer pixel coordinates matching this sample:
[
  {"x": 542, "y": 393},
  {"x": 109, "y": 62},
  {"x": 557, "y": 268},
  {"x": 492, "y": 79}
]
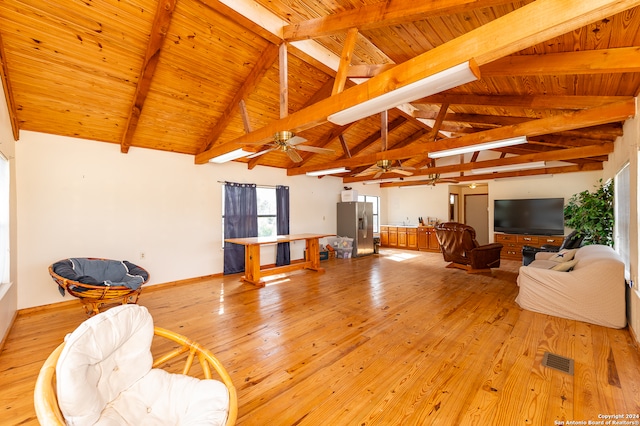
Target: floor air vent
[{"x": 558, "y": 362}]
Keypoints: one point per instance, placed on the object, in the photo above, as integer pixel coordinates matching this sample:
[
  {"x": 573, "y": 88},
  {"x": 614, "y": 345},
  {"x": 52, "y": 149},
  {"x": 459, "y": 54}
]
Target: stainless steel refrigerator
[{"x": 355, "y": 220}]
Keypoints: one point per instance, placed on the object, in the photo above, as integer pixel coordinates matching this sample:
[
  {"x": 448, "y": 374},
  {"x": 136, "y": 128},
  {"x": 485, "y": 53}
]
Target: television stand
[{"x": 513, "y": 243}]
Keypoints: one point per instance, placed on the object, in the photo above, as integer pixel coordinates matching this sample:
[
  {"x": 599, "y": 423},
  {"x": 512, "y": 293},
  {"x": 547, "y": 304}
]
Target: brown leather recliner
[{"x": 459, "y": 246}]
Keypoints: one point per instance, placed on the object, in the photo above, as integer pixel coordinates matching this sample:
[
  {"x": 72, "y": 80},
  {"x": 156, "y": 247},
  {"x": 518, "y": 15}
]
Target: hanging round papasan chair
[{"x": 98, "y": 281}]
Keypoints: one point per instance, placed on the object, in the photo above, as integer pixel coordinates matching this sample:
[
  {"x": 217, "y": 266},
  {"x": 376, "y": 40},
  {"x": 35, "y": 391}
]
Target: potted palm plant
[{"x": 591, "y": 214}]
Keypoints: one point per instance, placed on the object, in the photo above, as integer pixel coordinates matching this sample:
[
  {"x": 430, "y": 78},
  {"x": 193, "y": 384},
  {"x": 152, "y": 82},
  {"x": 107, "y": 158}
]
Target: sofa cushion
[
  {"x": 564, "y": 255},
  {"x": 543, "y": 264},
  {"x": 565, "y": 266}
]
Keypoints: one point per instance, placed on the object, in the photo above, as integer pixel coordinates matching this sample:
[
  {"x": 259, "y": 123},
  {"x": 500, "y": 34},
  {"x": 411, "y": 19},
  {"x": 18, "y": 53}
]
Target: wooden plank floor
[{"x": 389, "y": 339}]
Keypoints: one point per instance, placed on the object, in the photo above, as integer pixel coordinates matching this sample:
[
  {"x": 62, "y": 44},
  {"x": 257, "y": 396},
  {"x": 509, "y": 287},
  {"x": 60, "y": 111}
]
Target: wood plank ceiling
[{"x": 204, "y": 77}]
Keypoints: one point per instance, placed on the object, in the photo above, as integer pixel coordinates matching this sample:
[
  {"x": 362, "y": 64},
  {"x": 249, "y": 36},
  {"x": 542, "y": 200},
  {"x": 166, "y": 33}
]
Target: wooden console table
[{"x": 253, "y": 273}]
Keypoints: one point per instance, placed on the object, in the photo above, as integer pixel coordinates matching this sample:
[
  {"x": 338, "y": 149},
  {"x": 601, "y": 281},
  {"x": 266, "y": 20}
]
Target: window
[
  {"x": 376, "y": 209},
  {"x": 622, "y": 212},
  {"x": 267, "y": 212},
  {"x": 4, "y": 220}
]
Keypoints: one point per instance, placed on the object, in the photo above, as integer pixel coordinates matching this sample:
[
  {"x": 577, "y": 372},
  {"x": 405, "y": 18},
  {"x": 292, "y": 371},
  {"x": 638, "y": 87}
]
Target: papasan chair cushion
[
  {"x": 105, "y": 376},
  {"x": 101, "y": 272}
]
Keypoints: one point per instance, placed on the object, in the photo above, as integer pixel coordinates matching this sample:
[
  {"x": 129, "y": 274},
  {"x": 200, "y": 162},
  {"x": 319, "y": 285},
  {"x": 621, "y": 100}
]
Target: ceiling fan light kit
[
  {"x": 230, "y": 156},
  {"x": 436, "y": 83},
  {"x": 479, "y": 147},
  {"x": 385, "y": 164}
]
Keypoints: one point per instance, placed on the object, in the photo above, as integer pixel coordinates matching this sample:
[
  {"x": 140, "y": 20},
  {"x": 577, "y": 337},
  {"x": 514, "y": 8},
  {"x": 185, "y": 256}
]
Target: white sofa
[{"x": 593, "y": 290}]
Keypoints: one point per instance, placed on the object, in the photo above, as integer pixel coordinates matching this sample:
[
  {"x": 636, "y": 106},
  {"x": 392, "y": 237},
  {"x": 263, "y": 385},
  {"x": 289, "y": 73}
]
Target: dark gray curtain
[
  {"x": 240, "y": 221},
  {"x": 283, "y": 256}
]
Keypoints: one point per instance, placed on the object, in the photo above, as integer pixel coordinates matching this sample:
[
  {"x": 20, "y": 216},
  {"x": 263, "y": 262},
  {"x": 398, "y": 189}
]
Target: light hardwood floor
[{"x": 389, "y": 339}]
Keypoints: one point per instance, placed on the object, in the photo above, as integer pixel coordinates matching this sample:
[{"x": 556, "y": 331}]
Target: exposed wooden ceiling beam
[
  {"x": 617, "y": 60},
  {"x": 618, "y": 111},
  {"x": 345, "y": 60},
  {"x": 283, "y": 69},
  {"x": 504, "y": 175},
  {"x": 605, "y": 131},
  {"x": 367, "y": 71},
  {"x": 376, "y": 136},
  {"x": 438, "y": 122},
  {"x": 381, "y": 14},
  {"x": 159, "y": 30},
  {"x": 532, "y": 102},
  {"x": 556, "y": 155},
  {"x": 624, "y": 59},
  {"x": 498, "y": 38}
]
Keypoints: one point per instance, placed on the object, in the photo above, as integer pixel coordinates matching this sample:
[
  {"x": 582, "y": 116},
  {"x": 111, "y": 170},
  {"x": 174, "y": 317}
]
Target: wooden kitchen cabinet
[
  {"x": 393, "y": 236},
  {"x": 402, "y": 237},
  {"x": 427, "y": 240},
  {"x": 412, "y": 238},
  {"x": 434, "y": 245},
  {"x": 384, "y": 236}
]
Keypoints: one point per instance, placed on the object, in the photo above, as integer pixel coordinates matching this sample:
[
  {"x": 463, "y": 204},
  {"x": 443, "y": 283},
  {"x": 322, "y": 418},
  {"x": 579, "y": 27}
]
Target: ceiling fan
[
  {"x": 432, "y": 179},
  {"x": 386, "y": 166},
  {"x": 290, "y": 144}
]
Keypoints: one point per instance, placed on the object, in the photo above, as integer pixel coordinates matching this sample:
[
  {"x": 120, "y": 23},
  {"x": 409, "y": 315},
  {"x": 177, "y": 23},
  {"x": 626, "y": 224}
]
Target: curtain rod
[{"x": 256, "y": 184}]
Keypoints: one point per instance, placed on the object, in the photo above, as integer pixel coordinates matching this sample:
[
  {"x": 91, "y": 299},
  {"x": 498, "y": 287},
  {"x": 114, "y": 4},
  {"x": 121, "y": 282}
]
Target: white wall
[
  {"x": 86, "y": 199},
  {"x": 405, "y": 204}
]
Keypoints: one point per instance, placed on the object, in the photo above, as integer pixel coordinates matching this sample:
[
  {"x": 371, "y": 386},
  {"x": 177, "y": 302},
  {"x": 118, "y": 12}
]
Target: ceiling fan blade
[
  {"x": 296, "y": 140},
  {"x": 368, "y": 171},
  {"x": 293, "y": 155},
  {"x": 259, "y": 153},
  {"x": 401, "y": 172},
  {"x": 315, "y": 149},
  {"x": 377, "y": 175}
]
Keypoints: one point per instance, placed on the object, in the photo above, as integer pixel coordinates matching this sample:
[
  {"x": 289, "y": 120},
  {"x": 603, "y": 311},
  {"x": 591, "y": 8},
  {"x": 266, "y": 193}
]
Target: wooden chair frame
[
  {"x": 93, "y": 297},
  {"x": 45, "y": 397}
]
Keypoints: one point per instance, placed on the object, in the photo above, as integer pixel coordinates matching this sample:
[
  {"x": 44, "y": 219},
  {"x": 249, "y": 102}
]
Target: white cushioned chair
[{"x": 104, "y": 374}]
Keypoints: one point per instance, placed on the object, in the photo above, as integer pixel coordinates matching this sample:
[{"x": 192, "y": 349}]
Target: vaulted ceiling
[{"x": 206, "y": 77}]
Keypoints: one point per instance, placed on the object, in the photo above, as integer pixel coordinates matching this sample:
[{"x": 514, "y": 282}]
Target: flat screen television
[{"x": 536, "y": 216}]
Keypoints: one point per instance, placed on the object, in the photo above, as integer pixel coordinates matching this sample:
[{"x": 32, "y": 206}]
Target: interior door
[{"x": 476, "y": 213}]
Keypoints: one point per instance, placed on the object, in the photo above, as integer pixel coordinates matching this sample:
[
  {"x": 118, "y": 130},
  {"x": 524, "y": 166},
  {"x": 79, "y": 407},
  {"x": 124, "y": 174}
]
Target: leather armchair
[
  {"x": 571, "y": 241},
  {"x": 459, "y": 246}
]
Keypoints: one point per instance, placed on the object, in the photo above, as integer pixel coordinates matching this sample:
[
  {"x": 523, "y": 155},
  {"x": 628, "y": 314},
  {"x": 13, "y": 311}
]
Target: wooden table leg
[
  {"x": 313, "y": 251},
  {"x": 252, "y": 264}
]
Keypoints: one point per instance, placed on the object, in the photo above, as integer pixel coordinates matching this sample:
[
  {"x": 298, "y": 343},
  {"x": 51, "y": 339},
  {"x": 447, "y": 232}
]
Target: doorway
[
  {"x": 476, "y": 213},
  {"x": 453, "y": 207}
]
